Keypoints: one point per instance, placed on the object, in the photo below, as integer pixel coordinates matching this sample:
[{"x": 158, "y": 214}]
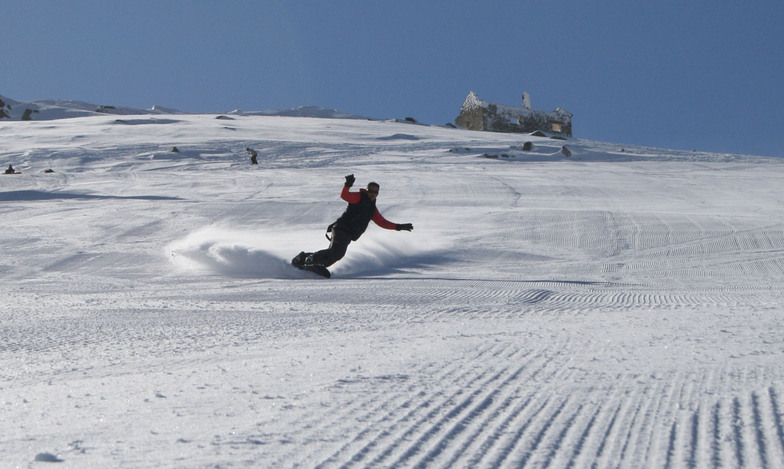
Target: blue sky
[{"x": 703, "y": 75}]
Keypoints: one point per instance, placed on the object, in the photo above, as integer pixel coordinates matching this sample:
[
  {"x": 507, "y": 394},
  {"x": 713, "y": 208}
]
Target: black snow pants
[{"x": 335, "y": 251}]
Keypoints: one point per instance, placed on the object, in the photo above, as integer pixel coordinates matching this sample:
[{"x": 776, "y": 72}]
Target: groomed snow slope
[{"x": 615, "y": 308}]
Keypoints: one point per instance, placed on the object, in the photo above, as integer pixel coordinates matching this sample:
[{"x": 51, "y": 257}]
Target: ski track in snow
[{"x": 612, "y": 309}]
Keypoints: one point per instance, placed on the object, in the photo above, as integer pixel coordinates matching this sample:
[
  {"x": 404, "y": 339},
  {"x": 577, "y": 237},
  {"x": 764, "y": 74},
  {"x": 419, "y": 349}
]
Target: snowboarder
[
  {"x": 10, "y": 170},
  {"x": 349, "y": 227}
]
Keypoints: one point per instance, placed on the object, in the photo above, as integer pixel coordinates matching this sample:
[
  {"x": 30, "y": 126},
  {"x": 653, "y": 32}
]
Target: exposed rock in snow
[{"x": 478, "y": 114}]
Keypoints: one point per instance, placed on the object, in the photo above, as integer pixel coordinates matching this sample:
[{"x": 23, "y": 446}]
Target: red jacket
[{"x": 359, "y": 213}]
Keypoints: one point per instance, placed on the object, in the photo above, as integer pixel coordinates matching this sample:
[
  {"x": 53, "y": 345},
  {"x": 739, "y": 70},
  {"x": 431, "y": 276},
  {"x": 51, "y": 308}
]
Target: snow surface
[{"x": 619, "y": 308}]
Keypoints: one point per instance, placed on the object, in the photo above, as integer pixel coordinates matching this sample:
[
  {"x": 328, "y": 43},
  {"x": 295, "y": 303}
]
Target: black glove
[
  {"x": 350, "y": 180},
  {"x": 404, "y": 227}
]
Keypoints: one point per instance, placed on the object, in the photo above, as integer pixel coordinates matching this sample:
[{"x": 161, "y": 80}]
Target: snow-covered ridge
[
  {"x": 51, "y": 109},
  {"x": 301, "y": 111}
]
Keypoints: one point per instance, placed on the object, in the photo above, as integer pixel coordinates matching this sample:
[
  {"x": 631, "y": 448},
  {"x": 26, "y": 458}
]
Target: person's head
[{"x": 372, "y": 190}]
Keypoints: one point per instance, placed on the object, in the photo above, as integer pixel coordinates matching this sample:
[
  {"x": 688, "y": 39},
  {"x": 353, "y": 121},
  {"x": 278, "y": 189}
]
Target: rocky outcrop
[{"x": 478, "y": 114}]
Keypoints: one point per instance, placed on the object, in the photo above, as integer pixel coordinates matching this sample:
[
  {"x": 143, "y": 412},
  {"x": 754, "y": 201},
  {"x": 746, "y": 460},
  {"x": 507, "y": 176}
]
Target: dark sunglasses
[{"x": 373, "y": 191}]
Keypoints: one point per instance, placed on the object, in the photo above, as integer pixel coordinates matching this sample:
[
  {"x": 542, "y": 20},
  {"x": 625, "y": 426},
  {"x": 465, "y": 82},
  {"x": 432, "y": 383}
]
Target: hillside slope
[{"x": 619, "y": 307}]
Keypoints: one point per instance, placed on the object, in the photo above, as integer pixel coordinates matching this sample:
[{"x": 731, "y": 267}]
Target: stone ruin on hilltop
[{"x": 478, "y": 114}]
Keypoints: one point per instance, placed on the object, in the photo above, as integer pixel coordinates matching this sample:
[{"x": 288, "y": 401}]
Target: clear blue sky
[{"x": 706, "y": 75}]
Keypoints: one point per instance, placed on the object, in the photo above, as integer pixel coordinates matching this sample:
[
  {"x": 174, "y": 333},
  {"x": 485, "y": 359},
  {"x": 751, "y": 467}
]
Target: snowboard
[
  {"x": 316, "y": 269},
  {"x": 299, "y": 262}
]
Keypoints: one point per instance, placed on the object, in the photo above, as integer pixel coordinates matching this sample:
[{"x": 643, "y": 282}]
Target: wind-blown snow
[{"x": 617, "y": 308}]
